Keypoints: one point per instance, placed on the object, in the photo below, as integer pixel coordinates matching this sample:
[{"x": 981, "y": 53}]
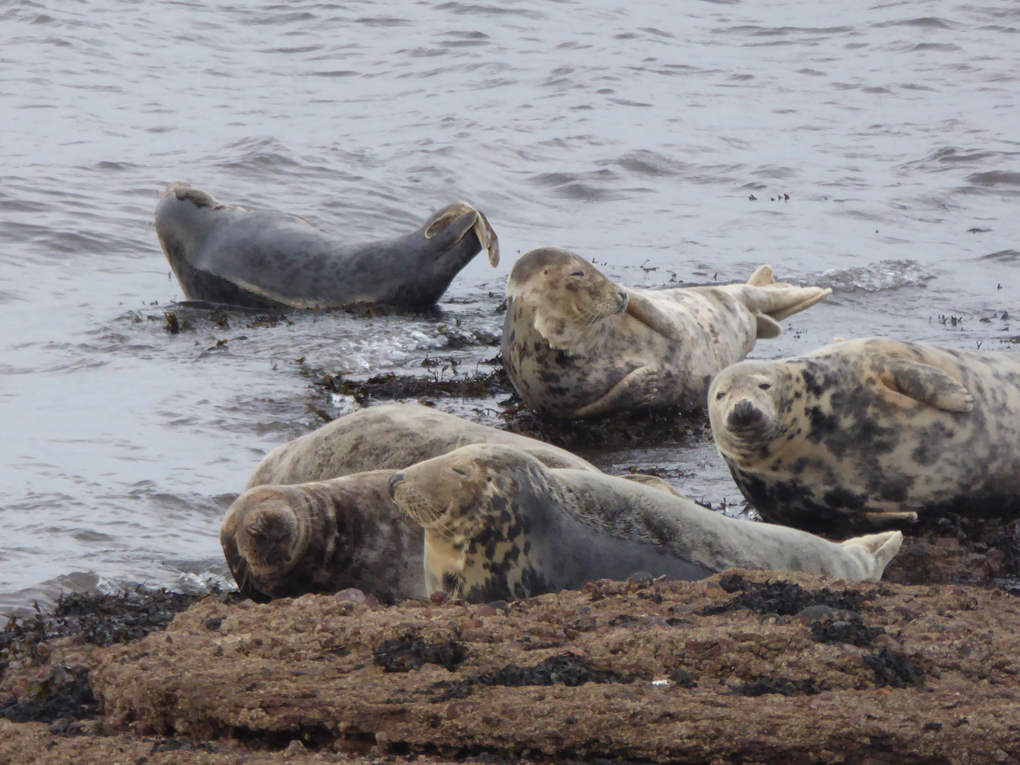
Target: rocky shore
[{"x": 748, "y": 667}]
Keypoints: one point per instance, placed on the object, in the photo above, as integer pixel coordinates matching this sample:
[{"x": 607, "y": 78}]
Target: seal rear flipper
[
  {"x": 644, "y": 310},
  {"x": 453, "y": 222},
  {"x": 762, "y": 277},
  {"x": 926, "y": 385},
  {"x": 879, "y": 549}
]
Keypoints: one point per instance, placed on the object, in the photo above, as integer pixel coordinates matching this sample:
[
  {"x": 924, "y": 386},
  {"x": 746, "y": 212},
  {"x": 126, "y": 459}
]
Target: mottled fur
[
  {"x": 869, "y": 431},
  {"x": 575, "y": 344},
  {"x": 500, "y": 524},
  {"x": 326, "y": 535},
  {"x": 267, "y": 259}
]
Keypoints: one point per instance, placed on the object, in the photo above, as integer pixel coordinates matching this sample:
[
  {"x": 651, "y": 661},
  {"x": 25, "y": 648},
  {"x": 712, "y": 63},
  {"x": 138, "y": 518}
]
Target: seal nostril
[{"x": 394, "y": 480}]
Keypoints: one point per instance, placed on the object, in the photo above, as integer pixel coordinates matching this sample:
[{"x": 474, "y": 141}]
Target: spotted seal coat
[
  {"x": 339, "y": 528},
  {"x": 871, "y": 431},
  {"x": 267, "y": 259},
  {"x": 501, "y": 525},
  {"x": 575, "y": 344}
]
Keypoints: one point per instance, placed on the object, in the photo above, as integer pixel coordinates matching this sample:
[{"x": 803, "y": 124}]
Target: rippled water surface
[{"x": 871, "y": 148}]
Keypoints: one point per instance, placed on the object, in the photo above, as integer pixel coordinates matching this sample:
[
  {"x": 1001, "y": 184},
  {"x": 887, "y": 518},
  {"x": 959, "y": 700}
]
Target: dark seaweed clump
[
  {"x": 405, "y": 654},
  {"x": 61, "y": 696},
  {"x": 642, "y": 426},
  {"x": 769, "y": 685},
  {"x": 894, "y": 670},
  {"x": 850, "y": 630},
  {"x": 98, "y": 619},
  {"x": 393, "y": 387},
  {"x": 566, "y": 669},
  {"x": 783, "y": 598}
]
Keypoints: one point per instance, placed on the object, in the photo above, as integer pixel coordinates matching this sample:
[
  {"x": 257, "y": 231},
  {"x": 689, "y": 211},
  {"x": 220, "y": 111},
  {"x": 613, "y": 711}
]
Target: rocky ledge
[{"x": 748, "y": 667}]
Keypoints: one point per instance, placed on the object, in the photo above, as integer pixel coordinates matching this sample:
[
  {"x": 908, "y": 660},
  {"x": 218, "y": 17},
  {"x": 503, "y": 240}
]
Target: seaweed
[
  {"x": 783, "y": 598},
  {"x": 770, "y": 685},
  {"x": 405, "y": 654}
]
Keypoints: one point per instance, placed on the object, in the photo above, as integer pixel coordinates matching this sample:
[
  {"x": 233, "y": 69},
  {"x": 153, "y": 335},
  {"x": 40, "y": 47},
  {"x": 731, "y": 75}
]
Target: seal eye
[
  {"x": 461, "y": 472},
  {"x": 720, "y": 396},
  {"x": 578, "y": 274},
  {"x": 765, "y": 386}
]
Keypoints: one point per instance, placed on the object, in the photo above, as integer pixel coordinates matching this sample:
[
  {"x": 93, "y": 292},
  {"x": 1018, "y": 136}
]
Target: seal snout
[
  {"x": 392, "y": 483},
  {"x": 744, "y": 415}
]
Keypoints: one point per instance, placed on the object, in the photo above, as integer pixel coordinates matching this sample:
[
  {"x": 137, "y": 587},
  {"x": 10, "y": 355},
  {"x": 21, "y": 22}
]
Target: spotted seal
[
  {"x": 576, "y": 344},
  {"x": 326, "y": 535},
  {"x": 501, "y": 525},
  {"x": 266, "y": 259},
  {"x": 870, "y": 431}
]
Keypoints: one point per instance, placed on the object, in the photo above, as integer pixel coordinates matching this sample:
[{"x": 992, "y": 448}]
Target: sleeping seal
[
  {"x": 575, "y": 344},
  {"x": 501, "y": 525},
  {"x": 869, "y": 431},
  {"x": 327, "y": 535},
  {"x": 268, "y": 259}
]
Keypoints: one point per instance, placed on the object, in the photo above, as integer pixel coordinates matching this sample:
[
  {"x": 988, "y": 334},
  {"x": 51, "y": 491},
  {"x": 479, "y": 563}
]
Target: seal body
[
  {"x": 501, "y": 525},
  {"x": 871, "y": 431},
  {"x": 339, "y": 528},
  {"x": 389, "y": 436},
  {"x": 576, "y": 344},
  {"x": 264, "y": 259}
]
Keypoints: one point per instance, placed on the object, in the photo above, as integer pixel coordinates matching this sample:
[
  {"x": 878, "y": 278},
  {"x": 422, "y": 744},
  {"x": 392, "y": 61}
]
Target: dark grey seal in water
[
  {"x": 266, "y": 259},
  {"x": 501, "y": 525},
  {"x": 864, "y": 432}
]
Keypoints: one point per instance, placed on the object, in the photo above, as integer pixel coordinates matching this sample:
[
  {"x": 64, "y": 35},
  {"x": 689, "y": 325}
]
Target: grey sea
[{"x": 870, "y": 147}]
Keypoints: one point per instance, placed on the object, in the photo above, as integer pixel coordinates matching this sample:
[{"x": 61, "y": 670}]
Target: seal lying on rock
[
  {"x": 576, "y": 344},
  {"x": 327, "y": 535},
  {"x": 869, "y": 431},
  {"x": 501, "y": 525},
  {"x": 268, "y": 259}
]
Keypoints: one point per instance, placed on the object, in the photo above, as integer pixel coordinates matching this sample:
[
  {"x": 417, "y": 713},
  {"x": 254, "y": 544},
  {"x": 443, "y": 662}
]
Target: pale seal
[
  {"x": 267, "y": 259},
  {"x": 869, "y": 431},
  {"x": 576, "y": 344},
  {"x": 328, "y": 535},
  {"x": 501, "y": 525}
]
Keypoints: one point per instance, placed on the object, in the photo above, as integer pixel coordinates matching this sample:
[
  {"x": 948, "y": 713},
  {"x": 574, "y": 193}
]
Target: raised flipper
[
  {"x": 771, "y": 301},
  {"x": 877, "y": 549},
  {"x": 649, "y": 314},
  {"x": 913, "y": 381},
  {"x": 479, "y": 224}
]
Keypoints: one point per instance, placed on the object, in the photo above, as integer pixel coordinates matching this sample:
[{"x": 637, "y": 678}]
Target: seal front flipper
[
  {"x": 640, "y": 379},
  {"x": 905, "y": 379},
  {"x": 444, "y": 565},
  {"x": 649, "y": 314}
]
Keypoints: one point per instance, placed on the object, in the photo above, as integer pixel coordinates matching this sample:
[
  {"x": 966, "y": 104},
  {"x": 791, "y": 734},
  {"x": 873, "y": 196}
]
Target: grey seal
[
  {"x": 271, "y": 260},
  {"x": 872, "y": 431},
  {"x": 501, "y": 525},
  {"x": 576, "y": 344},
  {"x": 338, "y": 527}
]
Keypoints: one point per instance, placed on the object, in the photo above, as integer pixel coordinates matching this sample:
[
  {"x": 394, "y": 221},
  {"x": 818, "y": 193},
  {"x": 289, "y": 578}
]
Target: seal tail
[
  {"x": 771, "y": 301},
  {"x": 875, "y": 551}
]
